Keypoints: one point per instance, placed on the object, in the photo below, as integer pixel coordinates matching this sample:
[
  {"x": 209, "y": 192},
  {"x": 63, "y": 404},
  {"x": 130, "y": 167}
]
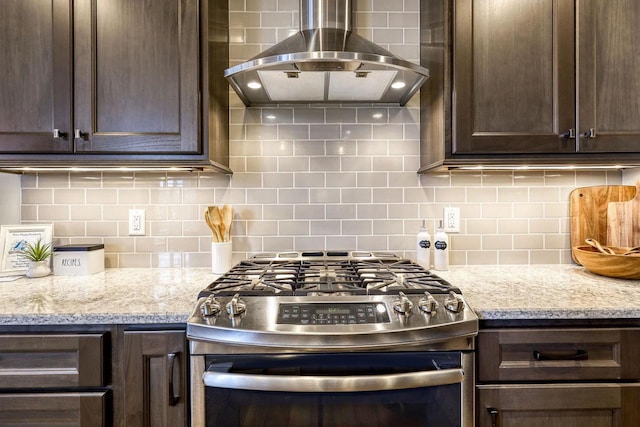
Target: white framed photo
[{"x": 13, "y": 239}]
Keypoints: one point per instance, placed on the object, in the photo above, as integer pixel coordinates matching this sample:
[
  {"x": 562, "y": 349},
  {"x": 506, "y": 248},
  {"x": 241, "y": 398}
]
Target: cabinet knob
[
  {"x": 570, "y": 134},
  {"x": 78, "y": 134},
  {"x": 591, "y": 133},
  {"x": 59, "y": 135}
]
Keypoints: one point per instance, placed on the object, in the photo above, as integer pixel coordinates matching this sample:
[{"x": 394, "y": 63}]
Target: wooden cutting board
[
  {"x": 588, "y": 211},
  {"x": 623, "y": 222}
]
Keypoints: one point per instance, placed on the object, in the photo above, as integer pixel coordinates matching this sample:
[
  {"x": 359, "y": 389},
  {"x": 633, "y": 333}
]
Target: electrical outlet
[
  {"x": 136, "y": 222},
  {"x": 452, "y": 220}
]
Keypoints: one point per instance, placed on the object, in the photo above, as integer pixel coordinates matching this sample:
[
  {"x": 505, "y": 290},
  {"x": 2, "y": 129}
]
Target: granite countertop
[
  {"x": 130, "y": 296},
  {"x": 564, "y": 291},
  {"x": 114, "y": 296}
]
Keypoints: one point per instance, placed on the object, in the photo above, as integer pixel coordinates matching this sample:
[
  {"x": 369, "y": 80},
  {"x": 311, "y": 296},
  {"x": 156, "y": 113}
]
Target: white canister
[
  {"x": 221, "y": 257},
  {"x": 78, "y": 259}
]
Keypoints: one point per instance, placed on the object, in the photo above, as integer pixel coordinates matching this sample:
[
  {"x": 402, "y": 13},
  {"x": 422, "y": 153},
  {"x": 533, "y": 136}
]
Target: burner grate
[{"x": 322, "y": 276}]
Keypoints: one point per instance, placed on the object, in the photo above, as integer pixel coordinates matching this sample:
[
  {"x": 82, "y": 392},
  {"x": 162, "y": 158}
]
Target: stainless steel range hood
[{"x": 325, "y": 62}]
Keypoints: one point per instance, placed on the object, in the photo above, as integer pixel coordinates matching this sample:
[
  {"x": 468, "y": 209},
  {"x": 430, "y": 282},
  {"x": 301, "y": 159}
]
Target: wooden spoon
[
  {"x": 212, "y": 218},
  {"x": 633, "y": 251},
  {"x": 598, "y": 246},
  {"x": 227, "y": 218}
]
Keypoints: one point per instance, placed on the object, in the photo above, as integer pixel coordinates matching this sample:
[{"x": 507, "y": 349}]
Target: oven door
[{"x": 345, "y": 389}]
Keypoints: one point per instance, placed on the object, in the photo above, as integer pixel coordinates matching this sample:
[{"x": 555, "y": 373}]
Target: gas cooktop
[
  {"x": 318, "y": 300},
  {"x": 327, "y": 273}
]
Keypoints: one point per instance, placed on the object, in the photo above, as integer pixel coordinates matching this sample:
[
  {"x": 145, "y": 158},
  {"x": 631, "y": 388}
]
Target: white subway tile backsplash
[
  {"x": 361, "y": 132},
  {"x": 293, "y": 164},
  {"x": 513, "y": 257},
  {"x": 324, "y": 163},
  {"x": 340, "y": 211},
  {"x": 388, "y": 163},
  {"x": 309, "y": 212},
  {"x": 340, "y": 179},
  {"x": 294, "y": 132},
  {"x": 262, "y": 196},
  {"x": 37, "y": 197},
  {"x": 102, "y": 196},
  {"x": 325, "y": 227},
  {"x": 277, "y": 180},
  {"x": 278, "y": 244},
  {"x": 340, "y": 115},
  {"x": 325, "y": 131},
  {"x": 261, "y": 164},
  {"x": 322, "y": 195},
  {"x": 513, "y": 195},
  {"x": 356, "y": 163},
  {"x": 50, "y": 213},
  {"x": 85, "y": 213}
]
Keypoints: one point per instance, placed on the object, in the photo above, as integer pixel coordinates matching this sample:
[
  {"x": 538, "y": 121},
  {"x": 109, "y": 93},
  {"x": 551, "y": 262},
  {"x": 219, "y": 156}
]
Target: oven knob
[
  {"x": 236, "y": 306},
  {"x": 402, "y": 305},
  {"x": 454, "y": 303},
  {"x": 428, "y": 304},
  {"x": 210, "y": 307}
]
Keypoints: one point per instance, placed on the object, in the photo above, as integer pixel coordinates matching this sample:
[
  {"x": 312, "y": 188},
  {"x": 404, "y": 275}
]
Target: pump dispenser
[
  {"x": 441, "y": 249},
  {"x": 423, "y": 247}
]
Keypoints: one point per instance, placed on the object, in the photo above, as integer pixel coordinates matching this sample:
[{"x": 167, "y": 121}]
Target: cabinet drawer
[
  {"x": 558, "y": 354},
  {"x": 48, "y": 409},
  {"x": 47, "y": 361}
]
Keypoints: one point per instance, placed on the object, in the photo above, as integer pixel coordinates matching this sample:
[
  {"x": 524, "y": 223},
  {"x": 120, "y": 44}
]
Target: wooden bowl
[{"x": 617, "y": 265}]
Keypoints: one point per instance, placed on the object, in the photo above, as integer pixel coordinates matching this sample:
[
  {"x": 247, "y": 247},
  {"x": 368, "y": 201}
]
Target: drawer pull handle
[
  {"x": 493, "y": 412},
  {"x": 173, "y": 399},
  {"x": 559, "y": 355}
]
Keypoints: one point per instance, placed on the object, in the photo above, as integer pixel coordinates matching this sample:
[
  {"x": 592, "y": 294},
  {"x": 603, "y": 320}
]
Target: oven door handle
[{"x": 315, "y": 384}]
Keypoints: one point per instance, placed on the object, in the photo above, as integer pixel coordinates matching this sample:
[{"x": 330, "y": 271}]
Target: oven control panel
[{"x": 332, "y": 313}]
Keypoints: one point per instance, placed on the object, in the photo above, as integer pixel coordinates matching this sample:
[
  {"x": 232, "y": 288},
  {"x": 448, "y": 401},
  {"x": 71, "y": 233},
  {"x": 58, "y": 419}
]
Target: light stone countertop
[
  {"x": 114, "y": 296},
  {"x": 564, "y": 291},
  {"x": 145, "y": 296}
]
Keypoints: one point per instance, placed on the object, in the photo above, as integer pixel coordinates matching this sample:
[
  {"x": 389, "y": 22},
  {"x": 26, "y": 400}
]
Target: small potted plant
[{"x": 38, "y": 254}]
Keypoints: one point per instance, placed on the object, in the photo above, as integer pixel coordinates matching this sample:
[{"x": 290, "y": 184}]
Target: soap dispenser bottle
[
  {"x": 441, "y": 249},
  {"x": 423, "y": 247}
]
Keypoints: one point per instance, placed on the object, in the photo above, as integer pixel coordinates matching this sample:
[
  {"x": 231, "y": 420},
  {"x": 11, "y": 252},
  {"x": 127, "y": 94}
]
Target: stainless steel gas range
[{"x": 331, "y": 338}]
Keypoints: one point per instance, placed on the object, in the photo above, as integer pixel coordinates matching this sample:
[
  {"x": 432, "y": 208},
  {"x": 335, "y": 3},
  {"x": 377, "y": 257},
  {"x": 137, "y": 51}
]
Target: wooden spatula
[
  {"x": 212, "y": 216},
  {"x": 227, "y": 217}
]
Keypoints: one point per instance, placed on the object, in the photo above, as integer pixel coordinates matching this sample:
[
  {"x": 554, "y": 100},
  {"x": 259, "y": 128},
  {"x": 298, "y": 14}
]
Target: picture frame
[{"x": 12, "y": 241}]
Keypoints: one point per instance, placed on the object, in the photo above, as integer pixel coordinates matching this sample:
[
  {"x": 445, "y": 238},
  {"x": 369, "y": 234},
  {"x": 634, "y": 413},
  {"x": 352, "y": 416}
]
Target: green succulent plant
[{"x": 36, "y": 252}]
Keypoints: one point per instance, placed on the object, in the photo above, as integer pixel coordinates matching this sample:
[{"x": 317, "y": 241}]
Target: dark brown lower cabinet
[
  {"x": 155, "y": 378},
  {"x": 54, "y": 409},
  {"x": 559, "y": 405},
  {"x": 55, "y": 379},
  {"x": 558, "y": 377},
  {"x": 94, "y": 376}
]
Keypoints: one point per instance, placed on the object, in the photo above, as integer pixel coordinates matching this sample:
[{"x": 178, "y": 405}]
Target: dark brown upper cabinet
[
  {"x": 536, "y": 82},
  {"x": 36, "y": 68},
  {"x": 114, "y": 82}
]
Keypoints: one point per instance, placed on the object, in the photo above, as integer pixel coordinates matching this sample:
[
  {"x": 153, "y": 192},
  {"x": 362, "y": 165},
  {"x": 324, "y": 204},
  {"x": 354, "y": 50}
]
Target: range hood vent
[{"x": 326, "y": 62}]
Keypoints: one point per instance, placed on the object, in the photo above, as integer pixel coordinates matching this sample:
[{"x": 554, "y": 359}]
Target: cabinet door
[
  {"x": 559, "y": 405},
  {"x": 35, "y": 70},
  {"x": 513, "y": 77},
  {"x": 609, "y": 81},
  {"x": 136, "y": 76},
  {"x": 155, "y": 379},
  {"x": 87, "y": 409}
]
